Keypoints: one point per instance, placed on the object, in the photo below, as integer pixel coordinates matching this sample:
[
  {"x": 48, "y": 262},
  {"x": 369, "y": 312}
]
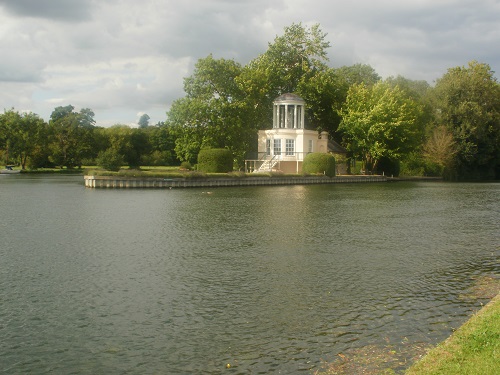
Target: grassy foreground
[{"x": 474, "y": 349}]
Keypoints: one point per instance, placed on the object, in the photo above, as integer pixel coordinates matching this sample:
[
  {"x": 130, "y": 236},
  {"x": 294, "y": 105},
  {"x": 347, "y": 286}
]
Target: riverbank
[
  {"x": 141, "y": 182},
  {"x": 473, "y": 349}
]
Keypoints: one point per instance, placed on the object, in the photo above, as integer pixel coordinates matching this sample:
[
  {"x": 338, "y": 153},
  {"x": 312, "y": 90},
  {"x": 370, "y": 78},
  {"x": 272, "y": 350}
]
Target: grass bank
[{"x": 473, "y": 349}]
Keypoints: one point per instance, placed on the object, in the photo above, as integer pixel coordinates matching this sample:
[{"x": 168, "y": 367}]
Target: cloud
[
  {"x": 74, "y": 10},
  {"x": 122, "y": 57}
]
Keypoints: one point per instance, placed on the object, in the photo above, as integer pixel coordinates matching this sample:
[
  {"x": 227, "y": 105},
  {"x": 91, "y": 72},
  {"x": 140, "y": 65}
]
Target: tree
[
  {"x": 357, "y": 74},
  {"x": 213, "y": 114},
  {"x": 440, "y": 147},
  {"x": 144, "y": 121},
  {"x": 379, "y": 122},
  {"x": 130, "y": 143},
  {"x": 71, "y": 136},
  {"x": 23, "y": 137},
  {"x": 162, "y": 143},
  {"x": 324, "y": 93},
  {"x": 10, "y": 139},
  {"x": 110, "y": 160},
  {"x": 289, "y": 62},
  {"x": 468, "y": 104}
]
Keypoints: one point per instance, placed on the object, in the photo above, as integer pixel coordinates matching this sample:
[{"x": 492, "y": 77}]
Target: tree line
[
  {"x": 70, "y": 139},
  {"x": 450, "y": 129}
]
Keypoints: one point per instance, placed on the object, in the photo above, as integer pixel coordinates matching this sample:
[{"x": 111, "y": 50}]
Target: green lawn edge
[{"x": 473, "y": 349}]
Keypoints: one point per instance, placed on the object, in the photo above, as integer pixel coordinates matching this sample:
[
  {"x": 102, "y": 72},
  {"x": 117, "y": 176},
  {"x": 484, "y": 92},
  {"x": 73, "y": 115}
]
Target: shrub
[
  {"x": 186, "y": 165},
  {"x": 110, "y": 160},
  {"x": 215, "y": 160},
  {"x": 319, "y": 163}
]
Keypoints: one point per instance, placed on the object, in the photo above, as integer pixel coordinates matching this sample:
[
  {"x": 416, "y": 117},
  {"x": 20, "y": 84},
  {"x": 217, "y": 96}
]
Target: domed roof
[{"x": 289, "y": 97}]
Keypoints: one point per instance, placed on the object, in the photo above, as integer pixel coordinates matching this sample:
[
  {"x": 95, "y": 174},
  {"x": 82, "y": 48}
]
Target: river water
[{"x": 267, "y": 279}]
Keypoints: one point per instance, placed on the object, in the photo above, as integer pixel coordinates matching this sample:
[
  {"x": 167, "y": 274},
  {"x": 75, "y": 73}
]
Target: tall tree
[
  {"x": 144, "y": 121},
  {"x": 10, "y": 138},
  {"x": 131, "y": 144},
  {"x": 71, "y": 135},
  {"x": 325, "y": 93},
  {"x": 468, "y": 104},
  {"x": 440, "y": 147},
  {"x": 23, "y": 137},
  {"x": 289, "y": 62},
  {"x": 379, "y": 122},
  {"x": 357, "y": 74},
  {"x": 213, "y": 114}
]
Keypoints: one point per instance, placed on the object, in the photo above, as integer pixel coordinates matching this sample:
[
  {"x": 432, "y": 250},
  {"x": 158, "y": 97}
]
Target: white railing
[{"x": 269, "y": 163}]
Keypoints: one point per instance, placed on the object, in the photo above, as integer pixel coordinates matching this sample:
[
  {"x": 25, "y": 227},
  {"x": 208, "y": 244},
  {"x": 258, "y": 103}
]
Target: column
[
  {"x": 275, "y": 115},
  {"x": 295, "y": 123}
]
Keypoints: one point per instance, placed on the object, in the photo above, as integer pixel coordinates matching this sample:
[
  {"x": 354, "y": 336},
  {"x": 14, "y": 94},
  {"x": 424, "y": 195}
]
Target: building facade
[{"x": 284, "y": 147}]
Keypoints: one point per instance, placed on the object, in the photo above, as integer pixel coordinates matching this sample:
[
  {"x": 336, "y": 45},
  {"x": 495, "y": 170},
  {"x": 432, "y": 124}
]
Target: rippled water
[{"x": 268, "y": 279}]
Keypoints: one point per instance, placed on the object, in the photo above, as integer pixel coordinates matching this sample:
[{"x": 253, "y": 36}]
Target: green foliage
[
  {"x": 416, "y": 164},
  {"x": 319, "y": 163},
  {"x": 23, "y": 136},
  {"x": 468, "y": 104},
  {"x": 186, "y": 165},
  {"x": 324, "y": 93},
  {"x": 71, "y": 136},
  {"x": 213, "y": 114},
  {"x": 215, "y": 161},
  {"x": 358, "y": 74},
  {"x": 379, "y": 122},
  {"x": 110, "y": 160},
  {"x": 289, "y": 65}
]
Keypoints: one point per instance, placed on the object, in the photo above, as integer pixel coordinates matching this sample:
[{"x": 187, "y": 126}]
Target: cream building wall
[{"x": 284, "y": 146}]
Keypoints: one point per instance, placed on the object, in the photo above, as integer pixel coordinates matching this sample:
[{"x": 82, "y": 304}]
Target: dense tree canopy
[
  {"x": 452, "y": 128},
  {"x": 468, "y": 104},
  {"x": 212, "y": 115},
  {"x": 71, "y": 136},
  {"x": 379, "y": 122}
]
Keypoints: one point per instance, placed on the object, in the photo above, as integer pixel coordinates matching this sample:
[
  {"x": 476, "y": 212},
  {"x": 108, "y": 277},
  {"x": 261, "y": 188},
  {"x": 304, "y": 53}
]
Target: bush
[
  {"x": 110, "y": 160},
  {"x": 319, "y": 163},
  {"x": 186, "y": 165},
  {"x": 215, "y": 160}
]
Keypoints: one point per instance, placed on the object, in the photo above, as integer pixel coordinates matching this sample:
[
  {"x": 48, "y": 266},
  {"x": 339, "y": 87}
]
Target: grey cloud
[
  {"x": 63, "y": 10},
  {"x": 147, "y": 47}
]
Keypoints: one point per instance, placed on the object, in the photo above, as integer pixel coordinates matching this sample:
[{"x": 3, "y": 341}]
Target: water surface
[{"x": 268, "y": 279}]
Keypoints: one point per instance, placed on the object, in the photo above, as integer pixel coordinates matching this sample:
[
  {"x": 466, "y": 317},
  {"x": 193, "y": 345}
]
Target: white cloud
[{"x": 122, "y": 57}]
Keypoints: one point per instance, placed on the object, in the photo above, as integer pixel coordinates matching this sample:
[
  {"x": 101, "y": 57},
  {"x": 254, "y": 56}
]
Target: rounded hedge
[
  {"x": 319, "y": 163},
  {"x": 111, "y": 160},
  {"x": 215, "y": 160}
]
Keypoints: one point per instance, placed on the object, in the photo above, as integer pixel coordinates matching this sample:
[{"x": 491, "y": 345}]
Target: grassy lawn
[{"x": 474, "y": 349}]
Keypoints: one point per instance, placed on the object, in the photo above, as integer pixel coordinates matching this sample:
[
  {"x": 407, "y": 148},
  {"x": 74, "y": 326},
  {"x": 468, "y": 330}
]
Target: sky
[{"x": 124, "y": 58}]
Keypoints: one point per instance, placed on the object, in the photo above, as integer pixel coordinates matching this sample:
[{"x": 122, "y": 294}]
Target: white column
[
  {"x": 294, "y": 116},
  {"x": 275, "y": 115},
  {"x": 302, "y": 116}
]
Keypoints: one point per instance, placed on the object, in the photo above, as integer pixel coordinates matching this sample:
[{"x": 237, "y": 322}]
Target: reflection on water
[{"x": 268, "y": 279}]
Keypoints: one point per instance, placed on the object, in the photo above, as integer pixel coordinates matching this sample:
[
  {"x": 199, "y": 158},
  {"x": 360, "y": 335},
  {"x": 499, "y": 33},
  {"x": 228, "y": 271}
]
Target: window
[
  {"x": 310, "y": 149},
  {"x": 277, "y": 147},
  {"x": 282, "y": 115},
  {"x": 290, "y": 147},
  {"x": 268, "y": 146}
]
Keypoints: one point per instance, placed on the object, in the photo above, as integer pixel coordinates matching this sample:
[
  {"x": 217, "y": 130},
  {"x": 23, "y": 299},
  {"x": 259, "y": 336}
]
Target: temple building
[{"x": 284, "y": 147}]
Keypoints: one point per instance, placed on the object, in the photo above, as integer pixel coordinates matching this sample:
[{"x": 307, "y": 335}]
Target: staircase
[{"x": 267, "y": 165}]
